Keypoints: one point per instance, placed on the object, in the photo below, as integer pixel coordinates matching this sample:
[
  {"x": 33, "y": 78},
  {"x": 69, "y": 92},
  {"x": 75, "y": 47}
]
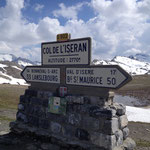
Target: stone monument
[{"x": 70, "y": 101}]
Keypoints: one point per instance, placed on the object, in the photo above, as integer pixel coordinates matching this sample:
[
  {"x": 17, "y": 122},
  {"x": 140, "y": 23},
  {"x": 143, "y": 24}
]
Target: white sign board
[
  {"x": 72, "y": 52},
  {"x": 109, "y": 77},
  {"x": 40, "y": 74}
]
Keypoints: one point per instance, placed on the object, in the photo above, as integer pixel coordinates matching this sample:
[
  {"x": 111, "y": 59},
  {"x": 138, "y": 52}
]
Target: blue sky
[
  {"x": 117, "y": 27},
  {"x": 38, "y": 9}
]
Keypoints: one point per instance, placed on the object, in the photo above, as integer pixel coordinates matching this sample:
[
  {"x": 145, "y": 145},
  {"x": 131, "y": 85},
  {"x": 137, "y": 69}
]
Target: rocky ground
[{"x": 140, "y": 132}]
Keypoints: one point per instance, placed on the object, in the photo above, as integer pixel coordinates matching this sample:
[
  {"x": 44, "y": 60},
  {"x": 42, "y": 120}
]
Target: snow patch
[
  {"x": 22, "y": 63},
  {"x": 17, "y": 68},
  {"x": 2, "y": 65},
  {"x": 11, "y": 80},
  {"x": 2, "y": 80},
  {"x": 138, "y": 114}
]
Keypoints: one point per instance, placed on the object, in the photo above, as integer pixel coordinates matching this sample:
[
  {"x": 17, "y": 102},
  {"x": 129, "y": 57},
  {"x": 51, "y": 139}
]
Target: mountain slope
[
  {"x": 131, "y": 65},
  {"x": 19, "y": 60},
  {"x": 10, "y": 73},
  {"x": 11, "y": 67}
]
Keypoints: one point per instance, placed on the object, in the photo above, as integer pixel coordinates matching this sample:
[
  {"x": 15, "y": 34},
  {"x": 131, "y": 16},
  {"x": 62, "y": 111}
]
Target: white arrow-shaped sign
[
  {"x": 41, "y": 74},
  {"x": 108, "y": 76}
]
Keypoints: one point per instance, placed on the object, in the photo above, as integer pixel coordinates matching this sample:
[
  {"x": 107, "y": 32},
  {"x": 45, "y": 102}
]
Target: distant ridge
[
  {"x": 19, "y": 60},
  {"x": 141, "y": 57}
]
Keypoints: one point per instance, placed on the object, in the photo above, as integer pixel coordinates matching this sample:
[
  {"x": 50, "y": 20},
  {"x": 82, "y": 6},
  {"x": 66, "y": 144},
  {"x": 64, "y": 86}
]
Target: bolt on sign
[
  {"x": 72, "y": 52},
  {"x": 41, "y": 74}
]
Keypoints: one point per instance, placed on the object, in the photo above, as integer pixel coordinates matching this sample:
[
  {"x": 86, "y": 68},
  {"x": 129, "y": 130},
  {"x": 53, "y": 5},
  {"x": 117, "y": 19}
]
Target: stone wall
[{"x": 89, "y": 122}]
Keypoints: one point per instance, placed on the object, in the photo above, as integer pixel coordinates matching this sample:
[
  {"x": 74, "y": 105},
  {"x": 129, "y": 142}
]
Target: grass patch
[
  {"x": 4, "y": 118},
  {"x": 142, "y": 143},
  {"x": 9, "y": 95},
  {"x": 138, "y": 82}
]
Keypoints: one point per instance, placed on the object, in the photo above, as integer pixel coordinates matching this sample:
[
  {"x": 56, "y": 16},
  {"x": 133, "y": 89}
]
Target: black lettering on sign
[
  {"x": 87, "y": 72},
  {"x": 75, "y": 79},
  {"x": 90, "y": 80},
  {"x": 113, "y": 72},
  {"x": 28, "y": 76},
  {"x": 44, "y": 77},
  {"x": 56, "y": 60},
  {"x": 80, "y": 47},
  {"x": 68, "y": 48},
  {"x": 77, "y": 71},
  {"x": 55, "y": 50},
  {"x": 73, "y": 48},
  {"x": 38, "y": 70},
  {"x": 47, "y": 50},
  {"x": 28, "y": 70},
  {"x": 54, "y": 71},
  {"x": 74, "y": 60},
  {"x": 111, "y": 81},
  {"x": 70, "y": 71},
  {"x": 84, "y": 47},
  {"x": 61, "y": 51},
  {"x": 69, "y": 79}
]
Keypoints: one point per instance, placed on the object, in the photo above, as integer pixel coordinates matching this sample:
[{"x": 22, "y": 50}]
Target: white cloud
[
  {"x": 38, "y": 7},
  {"x": 12, "y": 9},
  {"x": 119, "y": 27},
  {"x": 133, "y": 51},
  {"x": 144, "y": 7},
  {"x": 122, "y": 23},
  {"x": 48, "y": 28},
  {"x": 4, "y": 47},
  {"x": 15, "y": 32},
  {"x": 68, "y": 12}
]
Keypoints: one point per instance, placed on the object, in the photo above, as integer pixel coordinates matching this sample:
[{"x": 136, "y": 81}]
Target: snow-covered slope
[
  {"x": 10, "y": 73},
  {"x": 131, "y": 65},
  {"x": 11, "y": 67},
  {"x": 19, "y": 60}
]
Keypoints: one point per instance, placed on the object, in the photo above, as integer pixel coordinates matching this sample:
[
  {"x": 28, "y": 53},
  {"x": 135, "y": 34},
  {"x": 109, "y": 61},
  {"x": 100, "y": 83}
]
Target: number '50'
[{"x": 111, "y": 81}]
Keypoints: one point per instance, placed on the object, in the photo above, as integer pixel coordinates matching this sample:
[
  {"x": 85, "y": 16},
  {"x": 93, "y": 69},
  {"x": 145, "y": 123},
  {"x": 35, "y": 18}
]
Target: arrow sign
[
  {"x": 108, "y": 76},
  {"x": 41, "y": 74}
]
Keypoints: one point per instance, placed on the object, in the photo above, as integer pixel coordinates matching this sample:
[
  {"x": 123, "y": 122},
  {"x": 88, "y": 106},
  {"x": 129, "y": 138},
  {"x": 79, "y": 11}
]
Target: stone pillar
[{"x": 86, "y": 121}]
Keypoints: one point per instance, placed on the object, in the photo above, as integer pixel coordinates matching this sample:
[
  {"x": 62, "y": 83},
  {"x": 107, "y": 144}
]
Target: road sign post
[{"x": 71, "y": 100}]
